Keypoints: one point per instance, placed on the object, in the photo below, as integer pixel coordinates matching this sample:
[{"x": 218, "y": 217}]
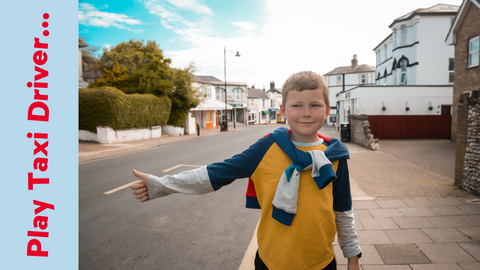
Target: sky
[{"x": 275, "y": 38}]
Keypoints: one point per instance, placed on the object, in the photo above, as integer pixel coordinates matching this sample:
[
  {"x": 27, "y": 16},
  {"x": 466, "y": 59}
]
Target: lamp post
[{"x": 225, "y": 74}]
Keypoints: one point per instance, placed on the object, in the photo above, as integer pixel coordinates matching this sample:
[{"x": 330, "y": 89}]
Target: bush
[{"x": 111, "y": 107}]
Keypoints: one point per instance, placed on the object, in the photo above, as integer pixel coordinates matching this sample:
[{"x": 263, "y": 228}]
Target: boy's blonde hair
[{"x": 305, "y": 80}]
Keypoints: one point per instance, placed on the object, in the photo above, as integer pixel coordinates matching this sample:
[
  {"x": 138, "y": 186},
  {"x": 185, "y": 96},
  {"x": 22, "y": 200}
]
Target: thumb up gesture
[{"x": 139, "y": 188}]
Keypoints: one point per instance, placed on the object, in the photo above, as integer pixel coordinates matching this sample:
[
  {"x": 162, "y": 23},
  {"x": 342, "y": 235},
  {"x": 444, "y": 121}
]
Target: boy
[{"x": 297, "y": 177}]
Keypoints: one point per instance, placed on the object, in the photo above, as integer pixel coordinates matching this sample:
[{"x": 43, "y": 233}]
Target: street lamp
[{"x": 225, "y": 123}]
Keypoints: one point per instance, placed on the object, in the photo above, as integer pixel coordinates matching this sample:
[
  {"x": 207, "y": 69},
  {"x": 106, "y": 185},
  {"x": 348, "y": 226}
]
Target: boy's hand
[{"x": 139, "y": 189}]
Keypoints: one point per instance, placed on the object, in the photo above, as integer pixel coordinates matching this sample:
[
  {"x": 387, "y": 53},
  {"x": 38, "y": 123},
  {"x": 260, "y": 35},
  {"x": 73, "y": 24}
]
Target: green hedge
[{"x": 111, "y": 107}]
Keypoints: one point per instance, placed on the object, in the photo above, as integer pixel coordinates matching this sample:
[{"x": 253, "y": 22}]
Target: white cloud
[
  {"x": 191, "y": 5},
  {"x": 190, "y": 31},
  {"x": 91, "y": 16},
  {"x": 107, "y": 46},
  {"x": 245, "y": 27},
  {"x": 301, "y": 35}
]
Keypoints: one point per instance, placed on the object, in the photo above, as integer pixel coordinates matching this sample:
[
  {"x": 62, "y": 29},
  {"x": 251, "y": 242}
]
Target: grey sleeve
[
  {"x": 347, "y": 237},
  {"x": 192, "y": 182}
]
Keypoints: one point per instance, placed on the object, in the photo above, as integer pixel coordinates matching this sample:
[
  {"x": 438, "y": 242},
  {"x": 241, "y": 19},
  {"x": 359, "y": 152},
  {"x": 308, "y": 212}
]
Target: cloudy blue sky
[{"x": 275, "y": 37}]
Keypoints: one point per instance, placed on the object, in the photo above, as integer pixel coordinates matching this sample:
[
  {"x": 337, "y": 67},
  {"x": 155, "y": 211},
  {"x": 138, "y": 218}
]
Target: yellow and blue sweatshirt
[{"x": 302, "y": 240}]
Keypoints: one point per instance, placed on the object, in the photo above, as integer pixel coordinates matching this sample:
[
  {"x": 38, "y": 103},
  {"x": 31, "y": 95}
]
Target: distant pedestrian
[{"x": 297, "y": 177}]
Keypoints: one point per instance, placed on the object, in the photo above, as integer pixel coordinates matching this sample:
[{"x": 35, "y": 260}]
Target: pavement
[{"x": 408, "y": 213}]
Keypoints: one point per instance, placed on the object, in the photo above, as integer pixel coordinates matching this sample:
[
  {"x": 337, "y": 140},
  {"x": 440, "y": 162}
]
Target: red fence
[{"x": 411, "y": 126}]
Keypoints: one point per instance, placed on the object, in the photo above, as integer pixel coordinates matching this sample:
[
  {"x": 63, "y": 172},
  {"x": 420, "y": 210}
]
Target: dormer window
[{"x": 404, "y": 35}]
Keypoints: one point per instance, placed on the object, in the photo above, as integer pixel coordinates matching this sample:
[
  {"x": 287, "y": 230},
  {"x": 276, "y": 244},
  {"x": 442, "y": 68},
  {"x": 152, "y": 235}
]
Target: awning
[
  {"x": 211, "y": 105},
  {"x": 273, "y": 110},
  {"x": 265, "y": 112}
]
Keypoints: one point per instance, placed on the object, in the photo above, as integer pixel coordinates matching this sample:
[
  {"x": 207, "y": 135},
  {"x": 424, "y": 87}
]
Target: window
[
  {"x": 339, "y": 80},
  {"x": 252, "y": 101},
  {"x": 450, "y": 70},
  {"x": 473, "y": 53},
  {"x": 219, "y": 94},
  {"x": 209, "y": 92},
  {"x": 272, "y": 103},
  {"x": 238, "y": 94},
  {"x": 363, "y": 78},
  {"x": 263, "y": 103},
  {"x": 403, "y": 78},
  {"x": 404, "y": 35},
  {"x": 378, "y": 57}
]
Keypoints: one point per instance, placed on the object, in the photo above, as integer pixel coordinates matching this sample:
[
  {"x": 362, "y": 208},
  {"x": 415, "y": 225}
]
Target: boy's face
[{"x": 306, "y": 112}]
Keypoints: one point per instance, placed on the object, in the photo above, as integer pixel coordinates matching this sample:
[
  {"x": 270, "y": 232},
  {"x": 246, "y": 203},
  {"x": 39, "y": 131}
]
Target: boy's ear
[
  {"x": 327, "y": 113},
  {"x": 282, "y": 111}
]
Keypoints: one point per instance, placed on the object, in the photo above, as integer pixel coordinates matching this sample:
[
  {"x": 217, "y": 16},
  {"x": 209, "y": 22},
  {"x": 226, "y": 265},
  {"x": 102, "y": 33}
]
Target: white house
[
  {"x": 414, "y": 73},
  {"x": 275, "y": 96},
  {"x": 345, "y": 78},
  {"x": 258, "y": 106},
  {"x": 415, "y": 53},
  {"x": 206, "y": 114}
]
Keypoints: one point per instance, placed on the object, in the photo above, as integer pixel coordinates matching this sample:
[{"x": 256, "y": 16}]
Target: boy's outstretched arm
[{"x": 139, "y": 188}]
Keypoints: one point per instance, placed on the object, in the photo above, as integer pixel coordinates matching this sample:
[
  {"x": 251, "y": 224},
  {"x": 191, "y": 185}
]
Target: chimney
[
  {"x": 272, "y": 85},
  {"x": 354, "y": 61},
  {"x": 264, "y": 88}
]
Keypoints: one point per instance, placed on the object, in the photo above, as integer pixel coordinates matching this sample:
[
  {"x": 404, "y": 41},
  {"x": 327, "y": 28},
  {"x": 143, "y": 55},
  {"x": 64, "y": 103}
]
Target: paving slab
[
  {"x": 369, "y": 255},
  {"x": 447, "y": 221},
  {"x": 384, "y": 213},
  {"x": 470, "y": 266},
  {"x": 358, "y": 225},
  {"x": 416, "y": 212},
  {"x": 472, "y": 231},
  {"x": 437, "y": 266},
  {"x": 408, "y": 236},
  {"x": 446, "y": 210},
  {"x": 386, "y": 267},
  {"x": 446, "y": 201},
  {"x": 472, "y": 248},
  {"x": 373, "y": 238},
  {"x": 379, "y": 224},
  {"x": 365, "y": 205},
  {"x": 401, "y": 254},
  {"x": 473, "y": 220},
  {"x": 446, "y": 235},
  {"x": 363, "y": 213},
  {"x": 391, "y": 203},
  {"x": 471, "y": 209},
  {"x": 417, "y": 202},
  {"x": 413, "y": 222},
  {"x": 446, "y": 253}
]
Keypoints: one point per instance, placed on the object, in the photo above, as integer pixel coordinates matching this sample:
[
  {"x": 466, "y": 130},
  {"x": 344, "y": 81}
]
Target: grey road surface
[{"x": 176, "y": 232}]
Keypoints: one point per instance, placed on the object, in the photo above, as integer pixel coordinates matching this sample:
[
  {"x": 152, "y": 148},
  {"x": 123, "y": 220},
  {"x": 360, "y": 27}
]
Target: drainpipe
[{"x": 343, "y": 82}]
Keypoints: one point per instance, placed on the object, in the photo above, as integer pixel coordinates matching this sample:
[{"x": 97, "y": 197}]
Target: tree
[
  {"x": 138, "y": 67},
  {"x": 116, "y": 77},
  {"x": 183, "y": 97},
  {"x": 148, "y": 71}
]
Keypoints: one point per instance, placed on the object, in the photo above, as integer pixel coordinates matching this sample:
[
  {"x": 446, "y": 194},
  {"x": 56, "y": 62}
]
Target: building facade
[
  {"x": 345, "y": 78},
  {"x": 275, "y": 96},
  {"x": 415, "y": 52},
  {"x": 464, "y": 36},
  {"x": 414, "y": 79},
  {"x": 258, "y": 106}
]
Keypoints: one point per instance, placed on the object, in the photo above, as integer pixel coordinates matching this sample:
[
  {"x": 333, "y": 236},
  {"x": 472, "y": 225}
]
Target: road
[{"x": 176, "y": 232}]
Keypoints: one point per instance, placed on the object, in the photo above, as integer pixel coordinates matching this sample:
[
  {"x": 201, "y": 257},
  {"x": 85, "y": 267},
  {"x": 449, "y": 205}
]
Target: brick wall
[
  {"x": 467, "y": 162},
  {"x": 465, "y": 79}
]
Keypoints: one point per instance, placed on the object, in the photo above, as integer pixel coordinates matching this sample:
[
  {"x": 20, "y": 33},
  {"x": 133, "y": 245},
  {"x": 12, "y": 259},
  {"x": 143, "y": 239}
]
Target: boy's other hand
[{"x": 139, "y": 188}]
